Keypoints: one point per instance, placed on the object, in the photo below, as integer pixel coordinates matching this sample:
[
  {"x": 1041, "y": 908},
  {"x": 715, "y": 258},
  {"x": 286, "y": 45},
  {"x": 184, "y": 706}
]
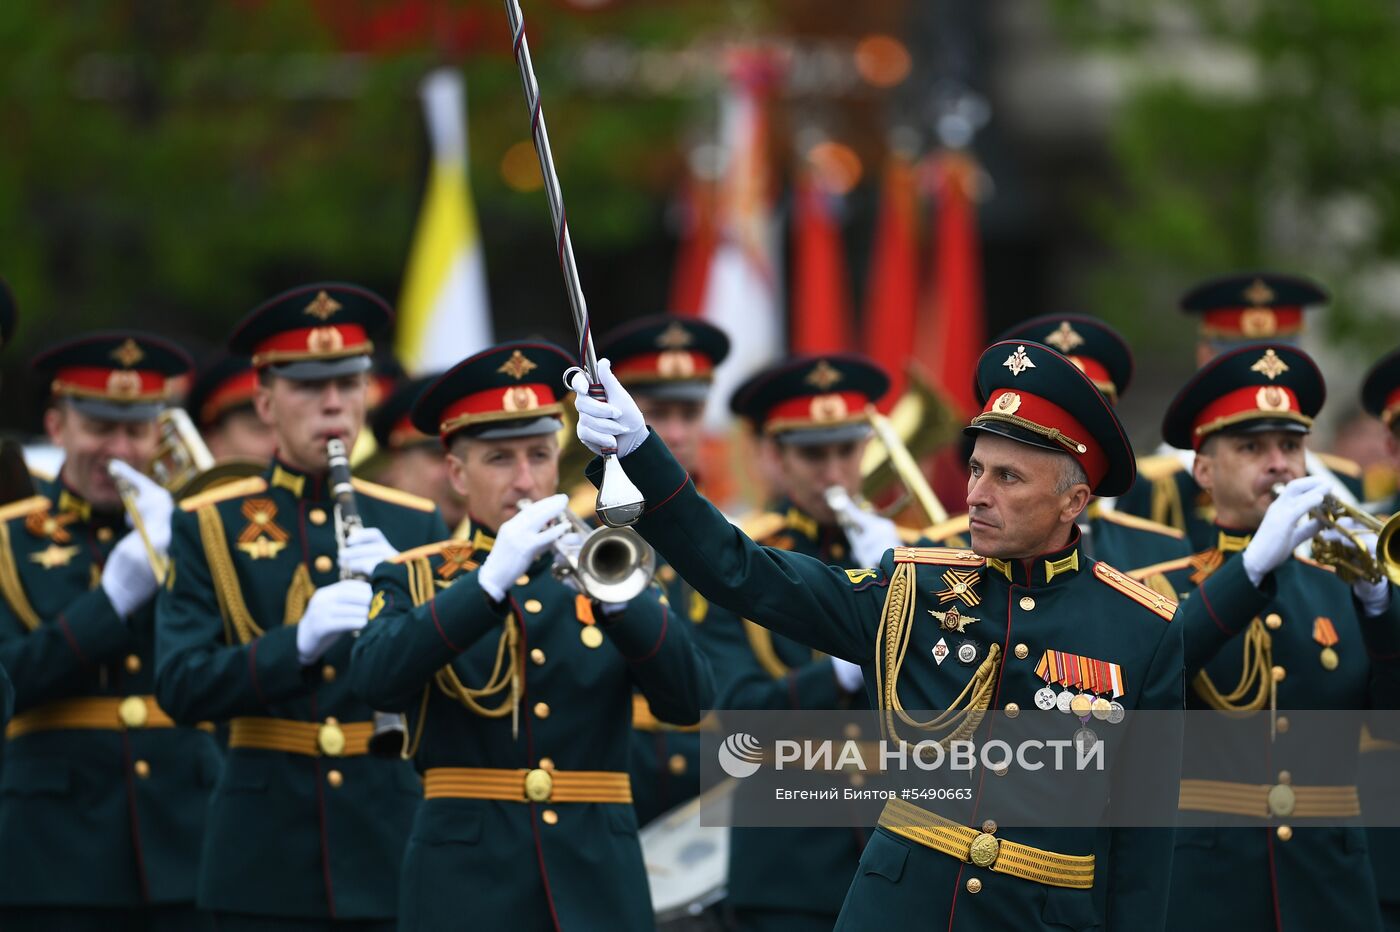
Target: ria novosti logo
[{"x": 740, "y": 755}]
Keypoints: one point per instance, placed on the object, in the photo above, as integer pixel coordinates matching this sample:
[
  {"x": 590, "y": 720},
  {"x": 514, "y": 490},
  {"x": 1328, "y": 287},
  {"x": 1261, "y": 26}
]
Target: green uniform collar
[
  {"x": 1232, "y": 540},
  {"x": 1047, "y": 569},
  {"x": 301, "y": 485}
]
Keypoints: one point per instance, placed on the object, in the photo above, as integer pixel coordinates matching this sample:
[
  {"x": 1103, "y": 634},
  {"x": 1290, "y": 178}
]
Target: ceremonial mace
[{"x": 619, "y": 503}]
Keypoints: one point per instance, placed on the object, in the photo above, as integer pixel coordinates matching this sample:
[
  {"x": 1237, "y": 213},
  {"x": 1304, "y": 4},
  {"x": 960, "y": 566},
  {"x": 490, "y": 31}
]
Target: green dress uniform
[
  {"x": 1231, "y": 311},
  {"x": 665, "y": 758},
  {"x": 305, "y": 828},
  {"x": 668, "y": 358},
  {"x": 1380, "y": 759},
  {"x": 102, "y": 798},
  {"x": 1299, "y": 640},
  {"x": 7, "y": 325},
  {"x": 247, "y": 558},
  {"x": 520, "y": 712},
  {"x": 1012, "y": 614}
]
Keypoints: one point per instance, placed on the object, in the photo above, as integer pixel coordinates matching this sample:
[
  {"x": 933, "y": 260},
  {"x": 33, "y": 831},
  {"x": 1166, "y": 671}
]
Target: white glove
[
  {"x": 848, "y": 675},
  {"x": 127, "y": 578},
  {"x": 333, "y": 610},
  {"x": 870, "y": 535},
  {"x": 154, "y": 504},
  {"x": 365, "y": 548},
  {"x": 617, "y": 422},
  {"x": 1280, "y": 531},
  {"x": 519, "y": 543}
]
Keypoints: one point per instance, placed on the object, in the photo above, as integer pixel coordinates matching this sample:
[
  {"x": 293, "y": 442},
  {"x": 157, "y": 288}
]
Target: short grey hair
[{"x": 1071, "y": 474}]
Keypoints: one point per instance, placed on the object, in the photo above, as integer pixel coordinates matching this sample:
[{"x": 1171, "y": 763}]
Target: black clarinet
[{"x": 387, "y": 740}]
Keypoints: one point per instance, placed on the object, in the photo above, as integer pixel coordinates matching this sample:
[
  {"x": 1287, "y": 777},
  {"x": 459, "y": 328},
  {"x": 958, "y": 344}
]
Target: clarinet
[{"x": 387, "y": 740}]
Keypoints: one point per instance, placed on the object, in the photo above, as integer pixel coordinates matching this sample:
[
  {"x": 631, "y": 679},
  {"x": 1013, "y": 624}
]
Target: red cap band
[
  {"x": 665, "y": 366},
  {"x": 1247, "y": 404},
  {"x": 815, "y": 411},
  {"x": 235, "y": 391},
  {"x": 528, "y": 400},
  {"x": 111, "y": 384},
  {"x": 331, "y": 341},
  {"x": 1252, "y": 323},
  {"x": 1042, "y": 416}
]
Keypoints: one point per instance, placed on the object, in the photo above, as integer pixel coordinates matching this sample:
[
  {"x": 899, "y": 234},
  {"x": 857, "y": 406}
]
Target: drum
[{"x": 688, "y": 863}]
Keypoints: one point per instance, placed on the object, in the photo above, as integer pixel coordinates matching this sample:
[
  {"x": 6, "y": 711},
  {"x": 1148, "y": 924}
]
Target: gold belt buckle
[
  {"x": 1282, "y": 799},
  {"x": 133, "y": 712},
  {"x": 539, "y": 784},
  {"x": 984, "y": 850},
  {"x": 331, "y": 738}
]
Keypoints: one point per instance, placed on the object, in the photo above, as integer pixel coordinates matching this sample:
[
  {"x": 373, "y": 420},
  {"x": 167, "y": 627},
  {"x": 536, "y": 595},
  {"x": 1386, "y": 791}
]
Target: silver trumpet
[
  {"x": 388, "y": 737},
  {"x": 613, "y": 564}
]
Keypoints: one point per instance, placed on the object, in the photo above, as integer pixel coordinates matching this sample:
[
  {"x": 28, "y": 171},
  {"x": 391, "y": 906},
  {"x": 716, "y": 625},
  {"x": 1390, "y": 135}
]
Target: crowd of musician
[{"x": 246, "y": 689}]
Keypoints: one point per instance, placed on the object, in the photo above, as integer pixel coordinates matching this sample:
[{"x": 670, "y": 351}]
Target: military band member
[
  {"x": 221, "y": 404},
  {"x": 1122, "y": 540},
  {"x": 1380, "y": 759},
  {"x": 809, "y": 416},
  {"x": 1266, "y": 630},
  {"x": 1233, "y": 311},
  {"x": 667, "y": 362},
  {"x": 1380, "y": 397},
  {"x": 1044, "y": 443},
  {"x": 518, "y": 689},
  {"x": 306, "y": 830},
  {"x": 411, "y": 460},
  {"x": 103, "y": 798}
]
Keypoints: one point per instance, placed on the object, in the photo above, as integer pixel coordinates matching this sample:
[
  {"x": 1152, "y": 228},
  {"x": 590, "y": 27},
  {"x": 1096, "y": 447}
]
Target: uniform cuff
[
  {"x": 652, "y": 469},
  {"x": 464, "y": 612},
  {"x": 639, "y": 630}
]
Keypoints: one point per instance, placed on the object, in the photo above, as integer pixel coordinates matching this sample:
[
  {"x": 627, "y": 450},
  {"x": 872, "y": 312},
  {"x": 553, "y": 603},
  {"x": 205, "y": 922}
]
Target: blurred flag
[
  {"x": 952, "y": 331},
  {"x": 742, "y": 288},
  {"x": 444, "y": 314},
  {"x": 892, "y": 289},
  {"x": 696, "y": 209},
  {"x": 821, "y": 304}
]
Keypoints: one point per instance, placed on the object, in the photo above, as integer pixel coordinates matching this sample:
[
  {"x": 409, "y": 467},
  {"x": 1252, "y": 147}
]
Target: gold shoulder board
[
  {"x": 427, "y": 550},
  {"x": 1139, "y": 523},
  {"x": 392, "y": 496},
  {"x": 222, "y": 493},
  {"x": 1159, "y": 466},
  {"x": 1144, "y": 596},
  {"x": 1340, "y": 464},
  {"x": 940, "y": 556},
  {"x": 24, "y": 507}
]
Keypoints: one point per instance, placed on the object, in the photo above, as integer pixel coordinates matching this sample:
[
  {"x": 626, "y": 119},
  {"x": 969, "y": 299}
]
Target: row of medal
[{"x": 1086, "y": 682}]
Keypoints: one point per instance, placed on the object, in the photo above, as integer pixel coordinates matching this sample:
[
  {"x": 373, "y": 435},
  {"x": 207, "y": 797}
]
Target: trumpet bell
[{"x": 615, "y": 564}]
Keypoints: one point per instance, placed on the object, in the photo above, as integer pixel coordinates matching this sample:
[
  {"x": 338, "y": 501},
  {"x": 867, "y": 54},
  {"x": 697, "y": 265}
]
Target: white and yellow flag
[{"x": 444, "y": 313}]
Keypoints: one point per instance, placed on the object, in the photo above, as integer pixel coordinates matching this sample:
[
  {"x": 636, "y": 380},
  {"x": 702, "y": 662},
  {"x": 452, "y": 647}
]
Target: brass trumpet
[
  {"x": 1347, "y": 553},
  {"x": 612, "y": 565}
]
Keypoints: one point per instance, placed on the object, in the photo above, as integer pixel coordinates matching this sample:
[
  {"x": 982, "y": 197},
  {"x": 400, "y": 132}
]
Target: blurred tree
[{"x": 1250, "y": 134}]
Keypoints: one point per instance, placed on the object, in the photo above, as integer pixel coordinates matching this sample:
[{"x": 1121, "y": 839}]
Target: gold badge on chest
[
  {"x": 54, "y": 556},
  {"x": 261, "y": 538},
  {"x": 952, "y": 619}
]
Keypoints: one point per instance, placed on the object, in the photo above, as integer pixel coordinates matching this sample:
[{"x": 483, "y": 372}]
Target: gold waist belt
[
  {"x": 527, "y": 786},
  {"x": 330, "y": 738},
  {"x": 102, "y": 713},
  {"x": 1262, "y": 800},
  {"x": 983, "y": 849},
  {"x": 644, "y": 720}
]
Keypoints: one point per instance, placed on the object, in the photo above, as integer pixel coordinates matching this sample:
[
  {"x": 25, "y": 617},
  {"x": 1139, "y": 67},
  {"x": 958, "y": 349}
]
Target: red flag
[
  {"x": 953, "y": 332},
  {"x": 821, "y": 304},
  {"x": 891, "y": 295},
  {"x": 696, "y": 247}
]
